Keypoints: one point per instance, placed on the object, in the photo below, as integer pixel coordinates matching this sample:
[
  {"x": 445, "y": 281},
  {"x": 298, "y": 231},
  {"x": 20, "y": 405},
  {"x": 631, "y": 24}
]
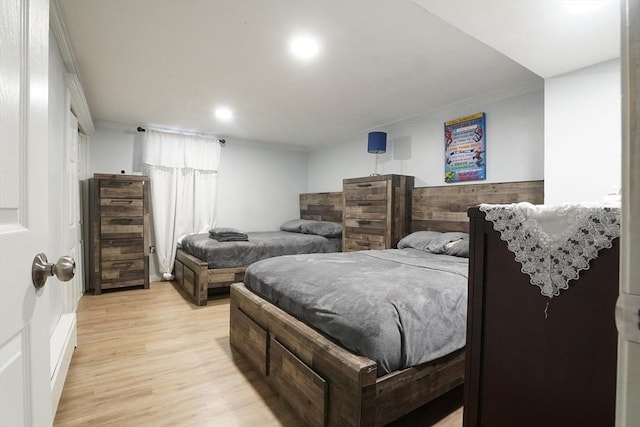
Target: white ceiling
[
  {"x": 169, "y": 63},
  {"x": 549, "y": 37}
]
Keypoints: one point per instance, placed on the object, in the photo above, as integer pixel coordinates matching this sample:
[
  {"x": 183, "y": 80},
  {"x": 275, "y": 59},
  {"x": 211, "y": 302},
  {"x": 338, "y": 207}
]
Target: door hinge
[{"x": 628, "y": 317}]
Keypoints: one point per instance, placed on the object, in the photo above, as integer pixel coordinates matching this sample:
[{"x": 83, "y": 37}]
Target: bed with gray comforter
[
  {"x": 260, "y": 245},
  {"x": 398, "y": 307}
]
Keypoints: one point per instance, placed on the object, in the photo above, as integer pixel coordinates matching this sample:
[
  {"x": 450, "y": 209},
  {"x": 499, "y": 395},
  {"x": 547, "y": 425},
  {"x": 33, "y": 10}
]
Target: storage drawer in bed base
[
  {"x": 185, "y": 277},
  {"x": 303, "y": 389},
  {"x": 249, "y": 338}
]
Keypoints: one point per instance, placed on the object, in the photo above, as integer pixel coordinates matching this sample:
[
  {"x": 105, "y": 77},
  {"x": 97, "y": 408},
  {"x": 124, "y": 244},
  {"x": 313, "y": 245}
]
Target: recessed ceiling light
[
  {"x": 223, "y": 113},
  {"x": 583, "y": 6},
  {"x": 304, "y": 47}
]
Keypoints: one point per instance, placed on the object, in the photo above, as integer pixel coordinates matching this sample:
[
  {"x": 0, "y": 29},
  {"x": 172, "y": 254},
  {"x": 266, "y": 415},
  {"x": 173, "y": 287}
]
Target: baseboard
[
  {"x": 62, "y": 343},
  {"x": 154, "y": 278}
]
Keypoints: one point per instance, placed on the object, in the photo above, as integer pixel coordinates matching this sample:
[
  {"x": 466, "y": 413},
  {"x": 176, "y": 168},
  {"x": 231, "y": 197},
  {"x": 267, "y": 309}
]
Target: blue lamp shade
[{"x": 377, "y": 142}]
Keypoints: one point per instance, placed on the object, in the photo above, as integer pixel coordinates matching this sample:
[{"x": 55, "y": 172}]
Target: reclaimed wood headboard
[
  {"x": 441, "y": 208},
  {"x": 444, "y": 208},
  {"x": 321, "y": 206}
]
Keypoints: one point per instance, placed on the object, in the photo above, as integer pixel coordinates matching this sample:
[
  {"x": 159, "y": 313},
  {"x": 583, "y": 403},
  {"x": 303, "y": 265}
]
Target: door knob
[{"x": 64, "y": 269}]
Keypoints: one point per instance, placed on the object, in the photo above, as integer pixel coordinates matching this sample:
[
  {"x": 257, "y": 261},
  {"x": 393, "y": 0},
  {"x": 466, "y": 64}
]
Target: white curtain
[{"x": 183, "y": 171}]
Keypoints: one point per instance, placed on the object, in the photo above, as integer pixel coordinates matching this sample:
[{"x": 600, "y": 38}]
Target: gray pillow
[
  {"x": 450, "y": 243},
  {"x": 457, "y": 248},
  {"x": 294, "y": 225},
  {"x": 323, "y": 228},
  {"x": 419, "y": 240}
]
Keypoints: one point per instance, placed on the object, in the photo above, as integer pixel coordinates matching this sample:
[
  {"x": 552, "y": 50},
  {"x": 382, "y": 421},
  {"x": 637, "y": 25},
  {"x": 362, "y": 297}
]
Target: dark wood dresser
[
  {"x": 523, "y": 369},
  {"x": 377, "y": 211},
  {"x": 119, "y": 231}
]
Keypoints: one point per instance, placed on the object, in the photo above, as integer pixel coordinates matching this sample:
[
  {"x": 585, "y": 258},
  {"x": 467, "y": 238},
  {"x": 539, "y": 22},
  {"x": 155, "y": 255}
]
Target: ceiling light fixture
[
  {"x": 224, "y": 114},
  {"x": 304, "y": 47}
]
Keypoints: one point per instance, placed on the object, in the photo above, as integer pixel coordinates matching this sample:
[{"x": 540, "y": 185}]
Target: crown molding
[
  {"x": 79, "y": 104},
  {"x": 56, "y": 23}
]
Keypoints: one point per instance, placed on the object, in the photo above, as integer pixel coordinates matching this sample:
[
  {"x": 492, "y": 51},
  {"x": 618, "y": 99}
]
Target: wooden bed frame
[
  {"x": 195, "y": 277},
  {"x": 326, "y": 385}
]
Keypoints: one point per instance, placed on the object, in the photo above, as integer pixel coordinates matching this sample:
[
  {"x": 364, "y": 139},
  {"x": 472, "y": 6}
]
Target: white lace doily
[{"x": 554, "y": 243}]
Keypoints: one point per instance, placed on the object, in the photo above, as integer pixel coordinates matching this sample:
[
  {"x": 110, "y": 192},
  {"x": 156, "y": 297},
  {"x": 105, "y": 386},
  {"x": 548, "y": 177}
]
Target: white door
[
  {"x": 25, "y": 398},
  {"x": 628, "y": 309}
]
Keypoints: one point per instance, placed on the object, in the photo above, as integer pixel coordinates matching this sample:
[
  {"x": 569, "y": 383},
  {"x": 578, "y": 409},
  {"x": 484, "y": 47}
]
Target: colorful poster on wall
[{"x": 465, "y": 149}]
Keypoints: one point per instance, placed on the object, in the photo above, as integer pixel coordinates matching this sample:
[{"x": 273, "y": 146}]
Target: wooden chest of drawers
[
  {"x": 119, "y": 216},
  {"x": 377, "y": 211}
]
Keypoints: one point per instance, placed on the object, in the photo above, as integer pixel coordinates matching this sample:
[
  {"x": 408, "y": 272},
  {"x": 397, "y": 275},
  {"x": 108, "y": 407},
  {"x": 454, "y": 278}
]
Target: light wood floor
[{"x": 150, "y": 358}]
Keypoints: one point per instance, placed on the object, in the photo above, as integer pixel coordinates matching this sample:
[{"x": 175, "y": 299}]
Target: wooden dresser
[
  {"x": 529, "y": 364},
  {"x": 119, "y": 231},
  {"x": 377, "y": 211}
]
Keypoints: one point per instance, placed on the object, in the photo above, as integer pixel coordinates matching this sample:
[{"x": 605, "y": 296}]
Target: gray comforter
[
  {"x": 261, "y": 245},
  {"x": 398, "y": 307}
]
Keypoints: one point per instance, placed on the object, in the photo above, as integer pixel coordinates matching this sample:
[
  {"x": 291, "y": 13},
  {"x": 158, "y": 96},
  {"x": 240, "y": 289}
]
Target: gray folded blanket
[{"x": 226, "y": 234}]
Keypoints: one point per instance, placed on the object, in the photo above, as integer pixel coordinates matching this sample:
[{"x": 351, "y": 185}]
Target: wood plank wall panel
[
  {"x": 440, "y": 208},
  {"x": 402, "y": 212},
  {"x": 321, "y": 206},
  {"x": 444, "y": 208}
]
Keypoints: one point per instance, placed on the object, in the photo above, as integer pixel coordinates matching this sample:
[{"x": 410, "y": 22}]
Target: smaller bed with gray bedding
[
  {"x": 257, "y": 246},
  {"x": 216, "y": 259}
]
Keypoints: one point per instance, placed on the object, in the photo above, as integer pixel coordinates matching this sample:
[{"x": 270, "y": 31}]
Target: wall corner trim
[{"x": 79, "y": 103}]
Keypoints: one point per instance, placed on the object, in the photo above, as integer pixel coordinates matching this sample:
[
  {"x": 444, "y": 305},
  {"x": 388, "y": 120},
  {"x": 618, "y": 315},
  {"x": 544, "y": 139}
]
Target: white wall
[
  {"x": 514, "y": 150},
  {"x": 258, "y": 183},
  {"x": 113, "y": 148},
  {"x": 583, "y": 134}
]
